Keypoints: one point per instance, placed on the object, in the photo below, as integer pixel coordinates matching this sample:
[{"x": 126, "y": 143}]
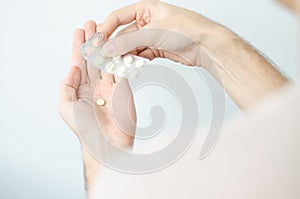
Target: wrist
[
  {"x": 215, "y": 38},
  {"x": 213, "y": 41},
  {"x": 207, "y": 32},
  {"x": 91, "y": 167},
  {"x": 245, "y": 74}
]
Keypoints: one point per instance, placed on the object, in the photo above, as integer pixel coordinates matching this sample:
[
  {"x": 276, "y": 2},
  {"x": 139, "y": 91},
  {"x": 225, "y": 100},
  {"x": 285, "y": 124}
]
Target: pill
[
  {"x": 110, "y": 67},
  {"x": 139, "y": 63},
  {"x": 117, "y": 59},
  {"x": 121, "y": 71},
  {"x": 101, "y": 102},
  {"x": 128, "y": 60}
]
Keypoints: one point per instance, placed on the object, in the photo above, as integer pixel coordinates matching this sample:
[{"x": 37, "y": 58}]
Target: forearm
[{"x": 245, "y": 74}]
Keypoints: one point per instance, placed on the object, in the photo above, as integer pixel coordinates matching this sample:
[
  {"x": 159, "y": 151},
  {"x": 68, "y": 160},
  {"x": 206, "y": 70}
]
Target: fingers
[
  {"x": 70, "y": 85},
  {"x": 158, "y": 40},
  {"x": 130, "y": 28},
  {"x": 89, "y": 29},
  {"x": 289, "y": 3},
  {"x": 107, "y": 77},
  {"x": 117, "y": 18},
  {"x": 148, "y": 53},
  {"x": 92, "y": 71},
  {"x": 131, "y": 41},
  {"x": 294, "y": 5},
  {"x": 77, "y": 59}
]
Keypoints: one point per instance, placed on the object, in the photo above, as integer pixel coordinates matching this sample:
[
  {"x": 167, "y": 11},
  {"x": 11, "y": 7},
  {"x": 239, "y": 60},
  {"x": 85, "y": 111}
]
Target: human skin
[
  {"x": 245, "y": 74},
  {"x": 293, "y": 5},
  {"x": 80, "y": 90}
]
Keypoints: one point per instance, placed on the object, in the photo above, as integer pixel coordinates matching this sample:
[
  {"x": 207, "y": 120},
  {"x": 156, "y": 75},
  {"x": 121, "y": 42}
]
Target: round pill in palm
[{"x": 101, "y": 102}]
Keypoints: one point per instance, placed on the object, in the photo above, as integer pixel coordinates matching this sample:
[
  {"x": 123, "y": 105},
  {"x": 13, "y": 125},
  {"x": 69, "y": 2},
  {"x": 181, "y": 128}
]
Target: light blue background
[{"x": 39, "y": 155}]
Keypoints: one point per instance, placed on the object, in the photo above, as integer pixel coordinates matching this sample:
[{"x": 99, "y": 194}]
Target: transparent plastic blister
[{"x": 127, "y": 66}]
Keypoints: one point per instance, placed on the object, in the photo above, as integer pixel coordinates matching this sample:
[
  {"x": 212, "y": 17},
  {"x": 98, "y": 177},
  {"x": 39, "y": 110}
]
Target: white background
[{"x": 39, "y": 155}]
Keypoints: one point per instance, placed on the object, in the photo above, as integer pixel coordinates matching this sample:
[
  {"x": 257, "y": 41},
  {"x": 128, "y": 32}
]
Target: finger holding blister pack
[{"x": 127, "y": 66}]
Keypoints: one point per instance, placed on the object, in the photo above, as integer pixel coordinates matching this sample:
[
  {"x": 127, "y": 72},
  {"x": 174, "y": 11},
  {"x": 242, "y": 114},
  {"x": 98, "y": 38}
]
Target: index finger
[{"x": 117, "y": 18}]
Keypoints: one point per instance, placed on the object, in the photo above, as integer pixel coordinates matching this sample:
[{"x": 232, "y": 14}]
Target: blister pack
[{"x": 127, "y": 66}]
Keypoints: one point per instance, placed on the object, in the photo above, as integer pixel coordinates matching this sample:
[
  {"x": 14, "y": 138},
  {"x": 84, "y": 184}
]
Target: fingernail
[{"x": 108, "y": 49}]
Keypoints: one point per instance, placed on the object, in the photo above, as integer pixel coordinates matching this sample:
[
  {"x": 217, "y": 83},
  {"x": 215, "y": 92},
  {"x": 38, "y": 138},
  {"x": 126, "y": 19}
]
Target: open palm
[{"x": 81, "y": 89}]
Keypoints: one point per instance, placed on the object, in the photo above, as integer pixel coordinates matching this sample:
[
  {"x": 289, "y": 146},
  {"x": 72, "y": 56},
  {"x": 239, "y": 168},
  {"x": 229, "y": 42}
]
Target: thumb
[
  {"x": 70, "y": 85},
  {"x": 147, "y": 37}
]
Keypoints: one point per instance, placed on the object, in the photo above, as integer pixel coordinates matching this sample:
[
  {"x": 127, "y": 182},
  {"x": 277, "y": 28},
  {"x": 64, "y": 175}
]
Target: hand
[
  {"x": 294, "y": 5},
  {"x": 159, "y": 30},
  {"x": 77, "y": 106},
  {"x": 82, "y": 87},
  {"x": 163, "y": 30}
]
